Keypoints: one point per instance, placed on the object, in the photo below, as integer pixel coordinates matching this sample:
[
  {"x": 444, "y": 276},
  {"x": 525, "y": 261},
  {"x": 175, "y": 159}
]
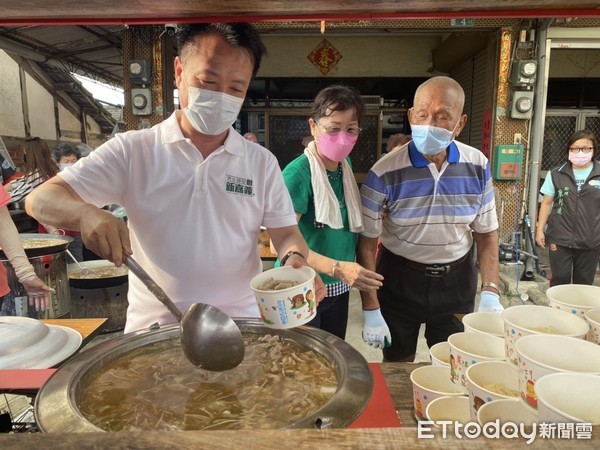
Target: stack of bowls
[
  {"x": 574, "y": 298},
  {"x": 525, "y": 320}
]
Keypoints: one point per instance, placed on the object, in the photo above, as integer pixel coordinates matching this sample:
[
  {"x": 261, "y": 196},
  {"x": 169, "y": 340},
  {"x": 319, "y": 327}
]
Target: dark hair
[
  {"x": 38, "y": 157},
  {"x": 584, "y": 134},
  {"x": 240, "y": 35},
  {"x": 66, "y": 149},
  {"x": 337, "y": 98}
]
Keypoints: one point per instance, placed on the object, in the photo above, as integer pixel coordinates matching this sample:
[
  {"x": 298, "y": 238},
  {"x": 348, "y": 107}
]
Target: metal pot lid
[{"x": 27, "y": 343}]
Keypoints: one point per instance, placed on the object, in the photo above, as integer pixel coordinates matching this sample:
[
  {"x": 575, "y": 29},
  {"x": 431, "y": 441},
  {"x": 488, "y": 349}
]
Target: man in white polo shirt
[{"x": 196, "y": 192}]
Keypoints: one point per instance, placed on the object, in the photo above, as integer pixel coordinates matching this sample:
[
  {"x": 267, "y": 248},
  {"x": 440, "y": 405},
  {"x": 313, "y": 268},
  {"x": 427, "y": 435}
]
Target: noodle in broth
[{"x": 156, "y": 388}]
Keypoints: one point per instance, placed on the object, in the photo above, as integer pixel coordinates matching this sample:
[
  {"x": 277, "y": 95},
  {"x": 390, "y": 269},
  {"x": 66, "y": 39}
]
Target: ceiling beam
[{"x": 104, "y": 12}]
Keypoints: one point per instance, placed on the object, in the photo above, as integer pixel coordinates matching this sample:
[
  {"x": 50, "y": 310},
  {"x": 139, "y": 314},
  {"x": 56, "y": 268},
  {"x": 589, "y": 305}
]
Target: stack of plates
[{"x": 30, "y": 344}]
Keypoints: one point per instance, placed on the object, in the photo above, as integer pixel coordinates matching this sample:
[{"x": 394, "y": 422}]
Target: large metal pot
[
  {"x": 56, "y": 407},
  {"x": 50, "y": 264}
]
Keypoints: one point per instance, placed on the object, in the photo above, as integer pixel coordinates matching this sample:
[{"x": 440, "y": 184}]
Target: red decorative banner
[{"x": 325, "y": 56}]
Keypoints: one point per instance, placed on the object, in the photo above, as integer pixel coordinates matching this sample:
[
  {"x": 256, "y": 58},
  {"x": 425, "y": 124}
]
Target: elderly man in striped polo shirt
[{"x": 438, "y": 199}]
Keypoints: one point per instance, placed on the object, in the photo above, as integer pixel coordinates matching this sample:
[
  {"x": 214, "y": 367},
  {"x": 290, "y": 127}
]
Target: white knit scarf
[{"x": 327, "y": 208}]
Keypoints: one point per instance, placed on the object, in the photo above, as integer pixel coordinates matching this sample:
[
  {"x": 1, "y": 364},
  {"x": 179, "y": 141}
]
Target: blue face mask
[
  {"x": 63, "y": 166},
  {"x": 431, "y": 140}
]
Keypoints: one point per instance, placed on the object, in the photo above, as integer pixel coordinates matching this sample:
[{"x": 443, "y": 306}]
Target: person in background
[
  {"x": 219, "y": 189},
  {"x": 327, "y": 203},
  {"x": 427, "y": 236},
  {"x": 39, "y": 167},
  {"x": 10, "y": 242},
  {"x": 395, "y": 141},
  {"x": 251, "y": 137},
  {"x": 571, "y": 209},
  {"x": 66, "y": 154}
]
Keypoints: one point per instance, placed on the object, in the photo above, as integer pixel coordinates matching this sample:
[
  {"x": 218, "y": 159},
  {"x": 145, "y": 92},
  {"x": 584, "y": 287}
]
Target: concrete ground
[{"x": 514, "y": 292}]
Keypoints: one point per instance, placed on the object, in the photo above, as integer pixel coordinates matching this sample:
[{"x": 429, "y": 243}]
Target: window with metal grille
[
  {"x": 287, "y": 131},
  {"x": 558, "y": 128}
]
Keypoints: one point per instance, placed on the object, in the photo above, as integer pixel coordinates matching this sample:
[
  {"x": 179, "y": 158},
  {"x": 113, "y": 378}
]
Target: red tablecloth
[{"x": 380, "y": 411}]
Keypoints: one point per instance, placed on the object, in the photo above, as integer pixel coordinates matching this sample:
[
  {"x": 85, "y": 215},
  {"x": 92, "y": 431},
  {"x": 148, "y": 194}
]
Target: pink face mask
[
  {"x": 338, "y": 147},
  {"x": 580, "y": 159}
]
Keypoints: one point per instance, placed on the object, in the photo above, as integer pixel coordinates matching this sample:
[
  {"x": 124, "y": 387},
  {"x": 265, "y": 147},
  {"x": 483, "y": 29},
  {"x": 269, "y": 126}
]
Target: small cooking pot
[{"x": 95, "y": 283}]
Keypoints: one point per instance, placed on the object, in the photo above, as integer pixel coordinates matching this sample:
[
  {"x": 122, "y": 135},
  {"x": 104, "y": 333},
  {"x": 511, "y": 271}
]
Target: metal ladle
[
  {"x": 209, "y": 337},
  {"x": 84, "y": 271}
]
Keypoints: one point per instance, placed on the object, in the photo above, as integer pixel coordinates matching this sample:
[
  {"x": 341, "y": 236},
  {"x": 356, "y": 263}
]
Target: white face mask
[{"x": 211, "y": 112}]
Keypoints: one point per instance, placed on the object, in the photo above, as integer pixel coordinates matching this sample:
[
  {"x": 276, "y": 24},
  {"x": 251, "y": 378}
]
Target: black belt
[{"x": 432, "y": 270}]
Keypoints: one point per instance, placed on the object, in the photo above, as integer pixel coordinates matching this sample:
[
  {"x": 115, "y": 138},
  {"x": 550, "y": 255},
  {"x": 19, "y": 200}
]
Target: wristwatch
[{"x": 288, "y": 254}]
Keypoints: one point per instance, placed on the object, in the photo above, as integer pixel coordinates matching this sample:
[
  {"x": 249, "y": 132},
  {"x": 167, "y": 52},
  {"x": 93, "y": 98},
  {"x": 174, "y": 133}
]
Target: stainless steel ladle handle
[{"x": 161, "y": 295}]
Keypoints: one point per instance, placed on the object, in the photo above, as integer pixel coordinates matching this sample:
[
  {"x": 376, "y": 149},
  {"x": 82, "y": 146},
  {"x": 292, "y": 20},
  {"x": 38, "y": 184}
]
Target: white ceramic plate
[{"x": 55, "y": 346}]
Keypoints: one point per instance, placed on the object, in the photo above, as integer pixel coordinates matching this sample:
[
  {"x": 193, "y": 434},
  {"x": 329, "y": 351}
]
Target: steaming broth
[
  {"x": 156, "y": 388},
  {"x": 98, "y": 272},
  {"x": 40, "y": 243}
]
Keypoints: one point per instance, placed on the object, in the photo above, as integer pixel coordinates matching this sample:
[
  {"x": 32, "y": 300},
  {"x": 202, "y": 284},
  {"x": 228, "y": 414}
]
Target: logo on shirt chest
[
  {"x": 239, "y": 186},
  {"x": 595, "y": 183}
]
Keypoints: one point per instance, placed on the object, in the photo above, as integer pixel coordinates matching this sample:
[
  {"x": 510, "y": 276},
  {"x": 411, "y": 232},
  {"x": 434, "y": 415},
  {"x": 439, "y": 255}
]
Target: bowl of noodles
[
  {"x": 285, "y": 296},
  {"x": 525, "y": 320},
  {"x": 489, "y": 381},
  {"x": 294, "y": 378}
]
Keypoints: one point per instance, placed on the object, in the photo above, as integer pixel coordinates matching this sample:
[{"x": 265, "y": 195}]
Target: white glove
[
  {"x": 489, "y": 302},
  {"x": 375, "y": 331}
]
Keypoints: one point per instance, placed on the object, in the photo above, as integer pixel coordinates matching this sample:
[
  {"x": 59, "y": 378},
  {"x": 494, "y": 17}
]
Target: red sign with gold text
[{"x": 325, "y": 56}]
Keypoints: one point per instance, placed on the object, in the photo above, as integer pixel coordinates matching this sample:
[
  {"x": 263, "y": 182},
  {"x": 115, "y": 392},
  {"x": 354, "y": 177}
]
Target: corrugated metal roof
[{"x": 91, "y": 51}]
